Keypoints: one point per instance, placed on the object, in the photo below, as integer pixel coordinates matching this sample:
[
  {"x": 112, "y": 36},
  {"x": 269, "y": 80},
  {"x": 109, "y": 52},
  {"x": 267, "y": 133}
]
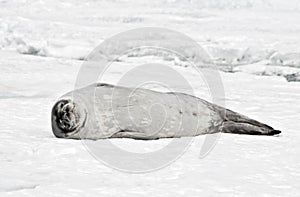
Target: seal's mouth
[{"x": 66, "y": 116}]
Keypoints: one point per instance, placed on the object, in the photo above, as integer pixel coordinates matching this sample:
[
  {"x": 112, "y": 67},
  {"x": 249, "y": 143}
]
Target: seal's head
[{"x": 67, "y": 118}]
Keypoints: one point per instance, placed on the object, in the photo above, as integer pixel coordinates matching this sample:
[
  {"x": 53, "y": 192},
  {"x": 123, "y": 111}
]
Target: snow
[{"x": 43, "y": 44}]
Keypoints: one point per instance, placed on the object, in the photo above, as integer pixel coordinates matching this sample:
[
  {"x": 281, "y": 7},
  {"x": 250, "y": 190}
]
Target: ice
[{"x": 44, "y": 43}]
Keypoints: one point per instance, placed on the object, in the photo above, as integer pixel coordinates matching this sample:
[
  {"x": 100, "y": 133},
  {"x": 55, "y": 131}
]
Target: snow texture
[{"x": 44, "y": 43}]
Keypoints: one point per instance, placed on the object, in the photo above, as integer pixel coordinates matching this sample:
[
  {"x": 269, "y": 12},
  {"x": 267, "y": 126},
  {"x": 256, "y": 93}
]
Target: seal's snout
[{"x": 65, "y": 118}]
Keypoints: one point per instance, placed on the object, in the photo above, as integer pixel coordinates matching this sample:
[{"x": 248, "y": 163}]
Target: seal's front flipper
[
  {"x": 239, "y": 124},
  {"x": 133, "y": 135}
]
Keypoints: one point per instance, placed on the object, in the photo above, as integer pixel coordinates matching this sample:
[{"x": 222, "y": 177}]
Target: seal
[{"x": 102, "y": 111}]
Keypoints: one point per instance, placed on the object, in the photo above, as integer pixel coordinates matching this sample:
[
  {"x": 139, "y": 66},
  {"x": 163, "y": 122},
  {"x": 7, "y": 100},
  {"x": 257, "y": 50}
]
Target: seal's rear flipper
[
  {"x": 246, "y": 128},
  {"x": 239, "y": 124}
]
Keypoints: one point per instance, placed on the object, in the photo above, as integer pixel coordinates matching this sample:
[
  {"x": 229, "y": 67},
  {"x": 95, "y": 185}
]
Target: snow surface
[{"x": 43, "y": 44}]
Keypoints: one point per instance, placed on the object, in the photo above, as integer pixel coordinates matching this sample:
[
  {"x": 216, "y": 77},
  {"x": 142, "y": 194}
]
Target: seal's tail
[{"x": 239, "y": 124}]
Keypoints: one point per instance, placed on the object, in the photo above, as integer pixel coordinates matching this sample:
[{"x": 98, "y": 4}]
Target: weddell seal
[{"x": 102, "y": 111}]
